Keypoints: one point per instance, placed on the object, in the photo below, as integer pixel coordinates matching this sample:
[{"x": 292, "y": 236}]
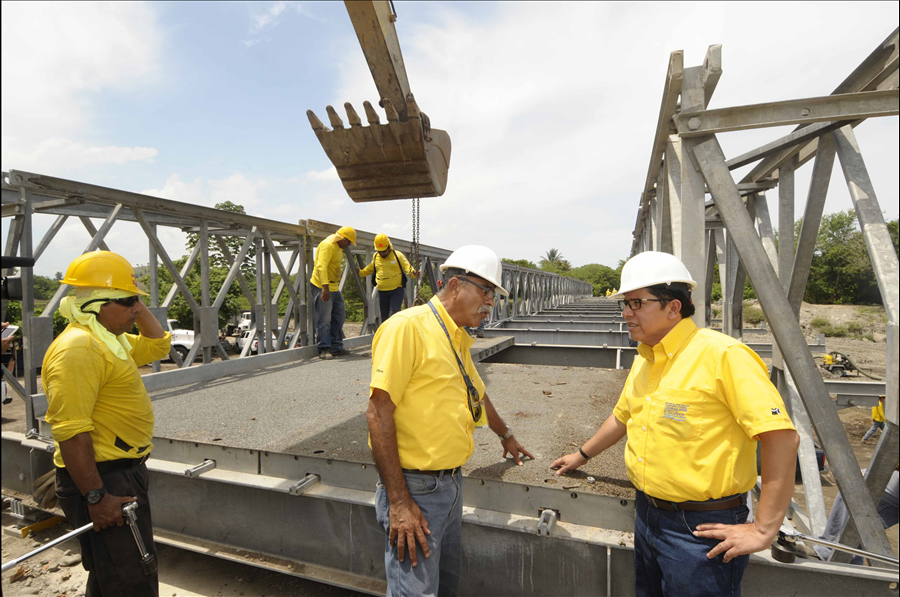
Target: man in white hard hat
[
  {"x": 426, "y": 400},
  {"x": 694, "y": 406},
  {"x": 325, "y": 291}
]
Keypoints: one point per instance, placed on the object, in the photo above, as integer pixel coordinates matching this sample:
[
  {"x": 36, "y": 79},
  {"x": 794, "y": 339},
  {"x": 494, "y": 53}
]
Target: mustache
[{"x": 484, "y": 309}]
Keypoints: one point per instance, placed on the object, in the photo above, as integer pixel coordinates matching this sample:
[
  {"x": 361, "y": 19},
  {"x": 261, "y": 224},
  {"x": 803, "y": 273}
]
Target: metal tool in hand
[
  {"x": 783, "y": 549},
  {"x": 148, "y": 561}
]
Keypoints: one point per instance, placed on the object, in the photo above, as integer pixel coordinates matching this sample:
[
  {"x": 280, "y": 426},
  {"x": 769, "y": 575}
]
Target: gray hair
[{"x": 447, "y": 274}]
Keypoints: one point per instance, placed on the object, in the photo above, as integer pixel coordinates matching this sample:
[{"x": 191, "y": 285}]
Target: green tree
[
  {"x": 521, "y": 263},
  {"x": 58, "y": 276},
  {"x": 234, "y": 243},
  {"x": 553, "y": 261},
  {"x": 44, "y": 288},
  {"x": 235, "y": 302},
  {"x": 601, "y": 277}
]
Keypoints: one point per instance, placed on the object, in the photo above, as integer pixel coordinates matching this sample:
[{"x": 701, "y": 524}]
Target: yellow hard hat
[
  {"x": 382, "y": 242},
  {"x": 102, "y": 269},
  {"x": 348, "y": 233}
]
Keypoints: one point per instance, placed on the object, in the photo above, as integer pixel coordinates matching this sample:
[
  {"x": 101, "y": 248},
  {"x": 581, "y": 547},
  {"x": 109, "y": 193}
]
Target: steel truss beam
[{"x": 790, "y": 340}]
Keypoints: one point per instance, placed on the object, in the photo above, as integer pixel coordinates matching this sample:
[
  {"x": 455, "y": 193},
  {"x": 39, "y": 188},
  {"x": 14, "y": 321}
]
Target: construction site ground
[{"x": 317, "y": 408}]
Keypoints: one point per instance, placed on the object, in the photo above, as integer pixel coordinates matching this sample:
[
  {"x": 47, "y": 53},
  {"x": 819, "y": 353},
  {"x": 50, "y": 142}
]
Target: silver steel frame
[
  {"x": 740, "y": 241},
  {"x": 25, "y": 194}
]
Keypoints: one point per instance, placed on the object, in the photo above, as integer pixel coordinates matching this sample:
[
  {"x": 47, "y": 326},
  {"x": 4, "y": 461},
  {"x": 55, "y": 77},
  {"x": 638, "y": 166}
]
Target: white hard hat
[
  {"x": 651, "y": 268},
  {"x": 480, "y": 261}
]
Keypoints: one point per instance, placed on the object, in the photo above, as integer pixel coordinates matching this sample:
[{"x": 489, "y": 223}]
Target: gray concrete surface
[{"x": 317, "y": 408}]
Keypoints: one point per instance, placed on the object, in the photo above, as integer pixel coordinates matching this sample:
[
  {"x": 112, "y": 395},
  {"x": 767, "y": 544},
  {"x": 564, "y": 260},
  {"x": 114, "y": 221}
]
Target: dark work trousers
[
  {"x": 390, "y": 302},
  {"x": 111, "y": 556}
]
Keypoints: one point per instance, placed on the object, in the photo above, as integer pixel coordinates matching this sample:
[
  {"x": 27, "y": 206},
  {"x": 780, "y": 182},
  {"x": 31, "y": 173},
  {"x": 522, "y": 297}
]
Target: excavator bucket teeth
[{"x": 380, "y": 162}]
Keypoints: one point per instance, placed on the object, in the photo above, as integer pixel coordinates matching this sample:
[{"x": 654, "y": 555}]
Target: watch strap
[{"x": 94, "y": 496}]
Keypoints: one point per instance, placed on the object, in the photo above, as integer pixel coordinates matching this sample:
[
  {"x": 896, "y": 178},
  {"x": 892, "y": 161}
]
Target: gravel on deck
[{"x": 317, "y": 408}]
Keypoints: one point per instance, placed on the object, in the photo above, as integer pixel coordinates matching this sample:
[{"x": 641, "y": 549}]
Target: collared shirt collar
[
  {"x": 671, "y": 342},
  {"x": 452, "y": 328}
]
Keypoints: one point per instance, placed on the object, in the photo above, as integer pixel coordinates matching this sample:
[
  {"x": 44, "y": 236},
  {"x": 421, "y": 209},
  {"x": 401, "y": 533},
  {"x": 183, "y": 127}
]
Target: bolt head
[
  {"x": 804, "y": 112},
  {"x": 694, "y": 123}
]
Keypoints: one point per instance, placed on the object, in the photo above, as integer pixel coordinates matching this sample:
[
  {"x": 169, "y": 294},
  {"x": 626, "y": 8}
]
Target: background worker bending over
[
  {"x": 328, "y": 303},
  {"x": 391, "y": 268}
]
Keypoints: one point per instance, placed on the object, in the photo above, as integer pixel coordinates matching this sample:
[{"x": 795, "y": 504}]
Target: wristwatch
[
  {"x": 94, "y": 496},
  {"x": 506, "y": 435}
]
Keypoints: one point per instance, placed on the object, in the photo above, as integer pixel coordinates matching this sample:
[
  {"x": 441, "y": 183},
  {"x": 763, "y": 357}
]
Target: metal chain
[{"x": 414, "y": 254}]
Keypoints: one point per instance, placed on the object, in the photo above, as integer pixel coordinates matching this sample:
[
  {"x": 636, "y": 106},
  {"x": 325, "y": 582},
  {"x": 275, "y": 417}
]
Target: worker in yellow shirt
[
  {"x": 102, "y": 418},
  {"x": 694, "y": 406},
  {"x": 877, "y": 419},
  {"x": 390, "y": 267},
  {"x": 325, "y": 288},
  {"x": 426, "y": 400}
]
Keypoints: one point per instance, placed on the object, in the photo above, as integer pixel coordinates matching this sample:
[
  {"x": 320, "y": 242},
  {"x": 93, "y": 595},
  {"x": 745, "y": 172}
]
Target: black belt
[
  {"x": 707, "y": 506},
  {"x": 446, "y": 471},
  {"x": 111, "y": 466}
]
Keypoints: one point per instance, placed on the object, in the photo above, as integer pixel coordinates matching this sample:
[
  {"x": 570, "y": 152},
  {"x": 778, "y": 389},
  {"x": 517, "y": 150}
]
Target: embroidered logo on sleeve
[
  {"x": 676, "y": 412},
  {"x": 776, "y": 411}
]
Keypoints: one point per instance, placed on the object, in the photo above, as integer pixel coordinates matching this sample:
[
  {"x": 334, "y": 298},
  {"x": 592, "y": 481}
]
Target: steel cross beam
[
  {"x": 830, "y": 108},
  {"x": 790, "y": 339}
]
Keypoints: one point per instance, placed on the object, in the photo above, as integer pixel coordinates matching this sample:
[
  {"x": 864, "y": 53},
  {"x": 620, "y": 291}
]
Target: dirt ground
[{"x": 553, "y": 415}]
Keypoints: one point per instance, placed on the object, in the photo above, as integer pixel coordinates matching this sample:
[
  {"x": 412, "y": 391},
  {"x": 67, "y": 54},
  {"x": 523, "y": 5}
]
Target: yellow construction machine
[{"x": 403, "y": 159}]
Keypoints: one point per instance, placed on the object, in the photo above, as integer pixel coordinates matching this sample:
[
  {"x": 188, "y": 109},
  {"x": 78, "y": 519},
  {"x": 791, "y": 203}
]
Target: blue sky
[{"x": 551, "y": 107}]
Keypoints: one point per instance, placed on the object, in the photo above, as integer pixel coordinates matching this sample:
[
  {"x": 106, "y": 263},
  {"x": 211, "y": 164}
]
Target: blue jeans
[
  {"x": 329, "y": 320},
  {"x": 876, "y": 425},
  {"x": 670, "y": 560},
  {"x": 390, "y": 302},
  {"x": 440, "y": 499}
]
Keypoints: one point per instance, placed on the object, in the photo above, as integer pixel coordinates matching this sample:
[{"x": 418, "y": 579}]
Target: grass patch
[{"x": 753, "y": 315}]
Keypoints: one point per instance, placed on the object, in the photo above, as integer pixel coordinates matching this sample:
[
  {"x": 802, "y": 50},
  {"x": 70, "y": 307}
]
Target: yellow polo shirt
[
  {"x": 694, "y": 405},
  {"x": 387, "y": 270},
  {"x": 327, "y": 269},
  {"x": 413, "y": 363},
  {"x": 89, "y": 389},
  {"x": 878, "y": 412}
]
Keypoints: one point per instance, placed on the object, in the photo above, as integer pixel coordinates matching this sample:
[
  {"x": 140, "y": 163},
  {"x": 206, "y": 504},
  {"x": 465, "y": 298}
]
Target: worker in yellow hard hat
[
  {"x": 102, "y": 418},
  {"x": 390, "y": 267},
  {"x": 326, "y": 292}
]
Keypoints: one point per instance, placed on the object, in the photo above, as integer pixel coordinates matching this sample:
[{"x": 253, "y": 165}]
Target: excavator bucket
[{"x": 398, "y": 160}]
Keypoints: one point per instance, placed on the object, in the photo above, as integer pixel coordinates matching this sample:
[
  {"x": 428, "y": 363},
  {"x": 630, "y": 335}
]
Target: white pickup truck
[
  {"x": 182, "y": 339},
  {"x": 244, "y": 323}
]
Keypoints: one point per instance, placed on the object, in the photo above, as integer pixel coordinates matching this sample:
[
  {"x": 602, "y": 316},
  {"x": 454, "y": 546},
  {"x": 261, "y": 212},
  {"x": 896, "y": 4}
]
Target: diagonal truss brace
[{"x": 790, "y": 340}]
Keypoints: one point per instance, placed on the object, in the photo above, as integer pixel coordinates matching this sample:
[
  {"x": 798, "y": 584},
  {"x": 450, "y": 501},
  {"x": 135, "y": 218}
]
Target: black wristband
[{"x": 586, "y": 457}]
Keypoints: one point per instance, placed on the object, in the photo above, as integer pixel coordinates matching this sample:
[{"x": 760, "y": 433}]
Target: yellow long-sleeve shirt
[
  {"x": 327, "y": 269},
  {"x": 387, "y": 270},
  {"x": 91, "y": 390},
  {"x": 878, "y": 412}
]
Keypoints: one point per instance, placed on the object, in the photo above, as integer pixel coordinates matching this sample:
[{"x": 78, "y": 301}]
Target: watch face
[{"x": 94, "y": 496}]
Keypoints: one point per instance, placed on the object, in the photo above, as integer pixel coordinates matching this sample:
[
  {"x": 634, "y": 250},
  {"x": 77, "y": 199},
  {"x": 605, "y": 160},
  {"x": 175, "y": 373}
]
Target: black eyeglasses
[
  {"x": 127, "y": 302},
  {"x": 635, "y": 304},
  {"x": 489, "y": 293}
]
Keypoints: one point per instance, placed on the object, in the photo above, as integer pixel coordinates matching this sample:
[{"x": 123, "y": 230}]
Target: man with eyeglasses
[
  {"x": 694, "y": 406},
  {"x": 102, "y": 418},
  {"x": 426, "y": 400}
]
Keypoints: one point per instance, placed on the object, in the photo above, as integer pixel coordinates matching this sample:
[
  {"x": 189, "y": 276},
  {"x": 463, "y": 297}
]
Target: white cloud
[
  {"x": 56, "y": 58},
  {"x": 269, "y": 18},
  {"x": 552, "y": 131},
  {"x": 176, "y": 190},
  {"x": 325, "y": 175},
  {"x": 237, "y": 188}
]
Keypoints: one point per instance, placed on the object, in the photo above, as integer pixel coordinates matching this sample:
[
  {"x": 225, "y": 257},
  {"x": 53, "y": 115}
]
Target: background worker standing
[
  {"x": 328, "y": 304},
  {"x": 102, "y": 418},
  {"x": 694, "y": 406},
  {"x": 877, "y": 419},
  {"x": 391, "y": 268},
  {"x": 426, "y": 400}
]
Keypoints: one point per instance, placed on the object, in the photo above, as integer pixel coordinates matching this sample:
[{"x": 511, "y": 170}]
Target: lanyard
[{"x": 473, "y": 395}]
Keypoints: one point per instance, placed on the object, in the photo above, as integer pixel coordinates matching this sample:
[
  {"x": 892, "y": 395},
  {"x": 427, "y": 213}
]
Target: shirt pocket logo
[{"x": 680, "y": 416}]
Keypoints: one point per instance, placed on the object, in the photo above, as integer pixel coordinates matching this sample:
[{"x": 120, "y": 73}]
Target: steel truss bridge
[{"x": 314, "y": 517}]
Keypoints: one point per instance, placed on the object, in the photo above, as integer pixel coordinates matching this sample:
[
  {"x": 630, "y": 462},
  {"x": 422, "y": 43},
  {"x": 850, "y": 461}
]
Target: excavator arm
[{"x": 402, "y": 159}]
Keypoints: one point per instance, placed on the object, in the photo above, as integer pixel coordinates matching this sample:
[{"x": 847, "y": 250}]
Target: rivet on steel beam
[
  {"x": 804, "y": 112},
  {"x": 694, "y": 123}
]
